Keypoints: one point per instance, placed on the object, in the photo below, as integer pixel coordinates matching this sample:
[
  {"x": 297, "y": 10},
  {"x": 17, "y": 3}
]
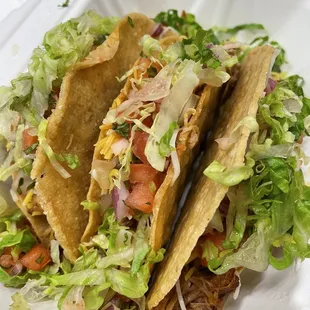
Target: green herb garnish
[
  {"x": 130, "y": 22},
  {"x": 122, "y": 129}
]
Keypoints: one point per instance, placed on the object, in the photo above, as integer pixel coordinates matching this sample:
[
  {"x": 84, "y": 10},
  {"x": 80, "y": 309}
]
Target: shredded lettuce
[
  {"x": 72, "y": 160},
  {"x": 248, "y": 27},
  {"x": 227, "y": 176},
  {"x": 118, "y": 260},
  {"x": 171, "y": 109},
  {"x": 19, "y": 302},
  {"x": 23, "y": 239},
  {"x": 93, "y": 296},
  {"x": 150, "y": 46},
  {"x": 49, "y": 152},
  {"x": 27, "y": 100},
  {"x": 90, "y": 205},
  {"x": 269, "y": 204},
  {"x": 164, "y": 144},
  {"x": 13, "y": 281}
]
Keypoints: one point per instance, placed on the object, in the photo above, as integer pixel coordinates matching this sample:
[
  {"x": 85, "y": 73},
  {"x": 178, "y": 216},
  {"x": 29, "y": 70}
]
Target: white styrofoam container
[{"x": 24, "y": 22}]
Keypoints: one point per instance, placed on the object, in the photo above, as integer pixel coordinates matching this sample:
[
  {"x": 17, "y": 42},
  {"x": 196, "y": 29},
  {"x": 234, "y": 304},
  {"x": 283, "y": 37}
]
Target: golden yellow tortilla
[
  {"x": 206, "y": 195},
  {"x": 87, "y": 92}
]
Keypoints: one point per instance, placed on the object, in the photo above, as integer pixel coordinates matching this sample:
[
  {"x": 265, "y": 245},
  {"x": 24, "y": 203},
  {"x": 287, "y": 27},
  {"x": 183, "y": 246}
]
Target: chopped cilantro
[
  {"x": 197, "y": 50},
  {"x": 185, "y": 24},
  {"x": 122, "y": 129}
]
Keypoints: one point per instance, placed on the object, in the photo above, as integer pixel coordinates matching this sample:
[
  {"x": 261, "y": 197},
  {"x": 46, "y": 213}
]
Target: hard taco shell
[
  {"x": 87, "y": 92},
  {"x": 206, "y": 195}
]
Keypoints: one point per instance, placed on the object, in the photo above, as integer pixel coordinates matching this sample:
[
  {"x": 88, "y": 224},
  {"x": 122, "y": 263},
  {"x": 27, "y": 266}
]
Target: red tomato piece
[
  {"x": 148, "y": 121},
  {"x": 37, "y": 258},
  {"x": 217, "y": 238},
  {"x": 159, "y": 179},
  {"x": 141, "y": 198},
  {"x": 139, "y": 143},
  {"x": 28, "y": 140},
  {"x": 142, "y": 173}
]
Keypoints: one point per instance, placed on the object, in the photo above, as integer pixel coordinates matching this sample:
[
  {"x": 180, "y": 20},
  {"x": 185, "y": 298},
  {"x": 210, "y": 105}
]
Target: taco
[
  {"x": 86, "y": 94},
  {"x": 72, "y": 77},
  {"x": 148, "y": 138},
  {"x": 251, "y": 198}
]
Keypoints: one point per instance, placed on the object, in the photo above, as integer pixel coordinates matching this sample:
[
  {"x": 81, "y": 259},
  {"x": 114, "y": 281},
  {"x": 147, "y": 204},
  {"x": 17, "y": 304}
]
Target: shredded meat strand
[{"x": 203, "y": 291}]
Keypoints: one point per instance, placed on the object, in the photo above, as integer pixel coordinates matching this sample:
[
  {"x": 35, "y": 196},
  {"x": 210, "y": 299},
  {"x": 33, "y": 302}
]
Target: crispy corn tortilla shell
[
  {"x": 87, "y": 92},
  {"x": 94, "y": 193},
  {"x": 206, "y": 195}
]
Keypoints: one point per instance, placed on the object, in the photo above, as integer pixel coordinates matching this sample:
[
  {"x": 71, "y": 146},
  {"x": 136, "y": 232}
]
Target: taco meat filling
[{"x": 202, "y": 290}]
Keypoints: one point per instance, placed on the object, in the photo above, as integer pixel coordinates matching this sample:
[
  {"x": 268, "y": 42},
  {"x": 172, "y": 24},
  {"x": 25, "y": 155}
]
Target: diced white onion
[{"x": 120, "y": 145}]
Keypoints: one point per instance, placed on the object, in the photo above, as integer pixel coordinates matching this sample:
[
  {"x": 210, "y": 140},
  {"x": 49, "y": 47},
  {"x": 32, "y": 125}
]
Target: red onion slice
[
  {"x": 119, "y": 195},
  {"x": 271, "y": 85},
  {"x": 157, "y": 30},
  {"x": 16, "y": 269}
]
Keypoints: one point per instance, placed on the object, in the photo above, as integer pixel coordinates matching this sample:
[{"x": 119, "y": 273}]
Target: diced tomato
[
  {"x": 217, "y": 238},
  {"x": 204, "y": 262},
  {"x": 159, "y": 179},
  {"x": 37, "y": 258},
  {"x": 28, "y": 140},
  {"x": 139, "y": 143},
  {"x": 157, "y": 107},
  {"x": 148, "y": 121},
  {"x": 142, "y": 173},
  {"x": 141, "y": 198}
]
